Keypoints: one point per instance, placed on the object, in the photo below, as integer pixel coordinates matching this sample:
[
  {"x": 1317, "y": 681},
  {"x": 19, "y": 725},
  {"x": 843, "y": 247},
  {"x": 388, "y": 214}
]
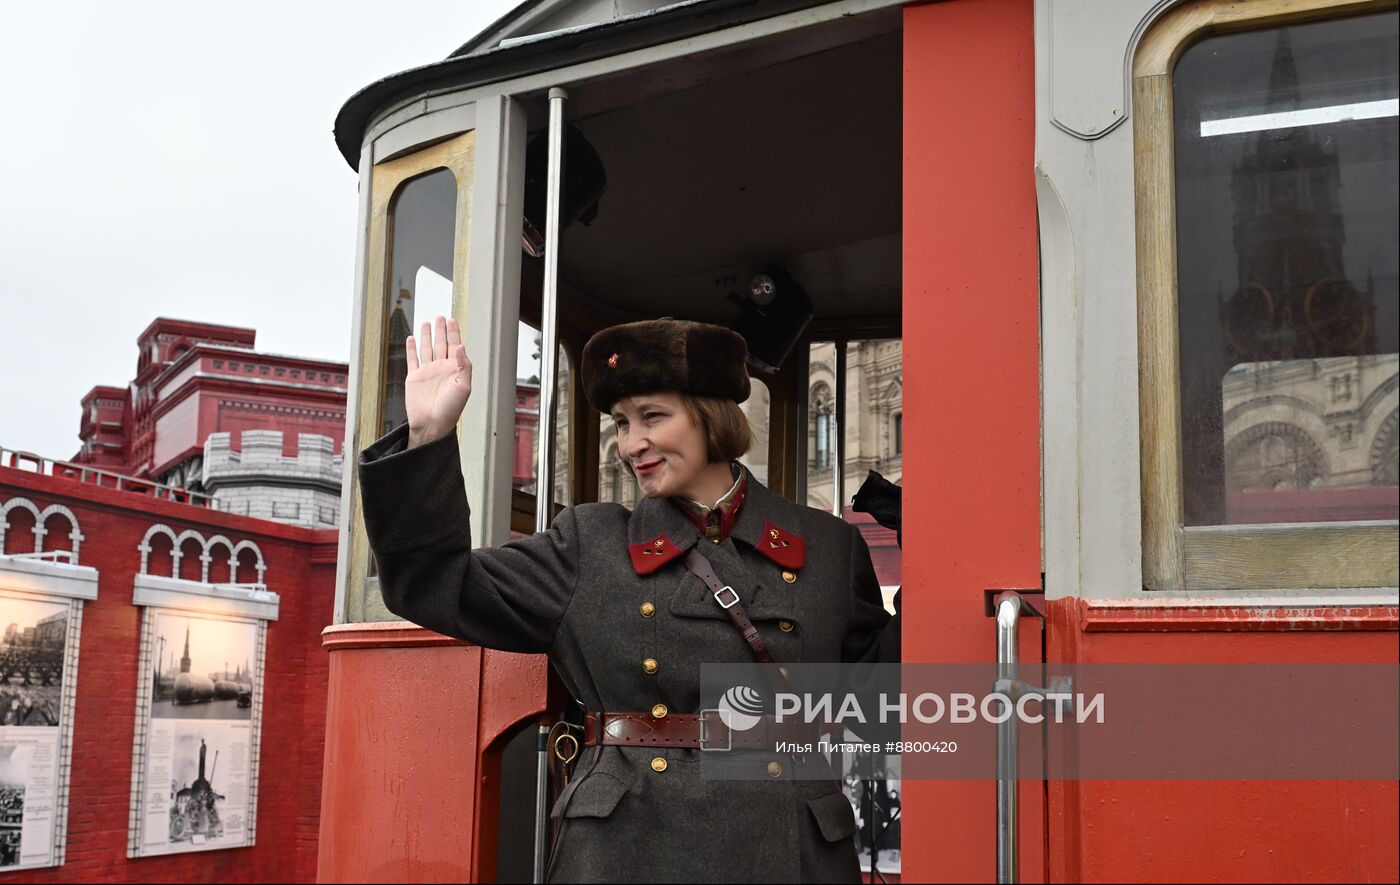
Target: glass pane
[
  {"x": 615, "y": 483},
  {"x": 874, "y": 410},
  {"x": 422, "y": 227},
  {"x": 1286, "y": 156},
  {"x": 528, "y": 368},
  {"x": 756, "y": 408}
]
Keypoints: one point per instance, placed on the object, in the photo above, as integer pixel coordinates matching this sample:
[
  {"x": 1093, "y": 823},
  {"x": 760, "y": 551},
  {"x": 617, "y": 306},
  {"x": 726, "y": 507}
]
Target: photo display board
[
  {"x": 198, "y": 724},
  {"x": 38, "y": 672}
]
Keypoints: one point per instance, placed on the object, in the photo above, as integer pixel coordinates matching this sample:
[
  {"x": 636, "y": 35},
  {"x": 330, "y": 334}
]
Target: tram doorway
[{"x": 778, "y": 158}]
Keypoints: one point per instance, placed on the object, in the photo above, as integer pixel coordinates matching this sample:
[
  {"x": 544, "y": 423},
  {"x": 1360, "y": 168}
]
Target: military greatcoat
[{"x": 626, "y": 633}]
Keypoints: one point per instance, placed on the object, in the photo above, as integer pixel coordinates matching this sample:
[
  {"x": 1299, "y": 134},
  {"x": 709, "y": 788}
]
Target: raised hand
[{"x": 439, "y": 381}]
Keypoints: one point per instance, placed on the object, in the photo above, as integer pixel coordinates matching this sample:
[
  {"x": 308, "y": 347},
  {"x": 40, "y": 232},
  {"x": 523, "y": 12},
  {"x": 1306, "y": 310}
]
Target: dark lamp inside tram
[{"x": 585, "y": 182}]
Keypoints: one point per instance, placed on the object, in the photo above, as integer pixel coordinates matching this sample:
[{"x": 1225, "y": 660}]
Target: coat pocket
[
  {"x": 834, "y": 815},
  {"x": 595, "y": 795}
]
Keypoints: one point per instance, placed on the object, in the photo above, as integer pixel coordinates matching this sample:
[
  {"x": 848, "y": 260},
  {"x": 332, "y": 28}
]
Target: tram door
[{"x": 721, "y": 172}]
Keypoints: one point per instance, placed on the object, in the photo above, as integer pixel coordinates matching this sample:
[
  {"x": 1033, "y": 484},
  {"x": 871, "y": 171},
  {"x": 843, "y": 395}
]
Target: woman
[{"x": 610, "y": 595}]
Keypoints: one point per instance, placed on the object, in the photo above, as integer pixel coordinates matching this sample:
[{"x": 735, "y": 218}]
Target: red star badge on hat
[{"x": 612, "y": 361}]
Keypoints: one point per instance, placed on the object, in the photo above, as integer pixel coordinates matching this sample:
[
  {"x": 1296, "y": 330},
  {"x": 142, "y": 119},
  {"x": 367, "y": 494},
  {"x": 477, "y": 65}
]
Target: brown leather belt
[{"x": 701, "y": 731}]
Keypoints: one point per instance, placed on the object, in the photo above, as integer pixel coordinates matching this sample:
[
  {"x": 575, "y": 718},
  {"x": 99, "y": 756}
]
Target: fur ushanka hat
[{"x": 657, "y": 355}]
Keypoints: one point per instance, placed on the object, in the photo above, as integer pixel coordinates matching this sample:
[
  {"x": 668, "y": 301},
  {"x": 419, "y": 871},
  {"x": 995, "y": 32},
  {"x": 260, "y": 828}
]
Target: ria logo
[{"x": 740, "y": 708}]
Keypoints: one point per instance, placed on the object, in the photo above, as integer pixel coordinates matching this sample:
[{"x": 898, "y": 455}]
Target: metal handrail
[
  {"x": 549, "y": 326},
  {"x": 541, "y": 801},
  {"x": 838, "y": 444},
  {"x": 1010, "y": 606},
  {"x": 85, "y": 473},
  {"x": 548, "y": 432},
  {"x": 1008, "y": 673}
]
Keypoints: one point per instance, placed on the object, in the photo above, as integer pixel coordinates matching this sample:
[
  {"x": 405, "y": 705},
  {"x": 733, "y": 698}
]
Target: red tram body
[{"x": 1006, "y": 187}]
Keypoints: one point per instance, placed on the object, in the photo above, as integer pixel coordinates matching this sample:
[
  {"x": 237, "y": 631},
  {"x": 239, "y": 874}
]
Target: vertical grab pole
[
  {"x": 544, "y": 463},
  {"x": 838, "y": 442},
  {"x": 549, "y": 325},
  {"x": 1008, "y": 679},
  {"x": 541, "y": 802}
]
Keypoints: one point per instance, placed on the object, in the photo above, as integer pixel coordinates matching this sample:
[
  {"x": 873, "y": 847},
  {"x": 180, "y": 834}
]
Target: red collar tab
[
  {"x": 649, "y": 556},
  {"x": 782, "y": 546}
]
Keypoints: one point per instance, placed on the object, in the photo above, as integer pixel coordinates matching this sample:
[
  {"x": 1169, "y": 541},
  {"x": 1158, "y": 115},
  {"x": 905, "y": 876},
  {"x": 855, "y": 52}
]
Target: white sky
[{"x": 176, "y": 159}]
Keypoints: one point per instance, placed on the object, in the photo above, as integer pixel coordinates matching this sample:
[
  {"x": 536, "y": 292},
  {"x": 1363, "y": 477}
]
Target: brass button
[
  {"x": 650, "y": 666},
  {"x": 658, "y": 764},
  {"x": 648, "y": 609},
  {"x": 786, "y": 626},
  {"x": 790, "y": 577},
  {"x": 658, "y": 711},
  {"x": 774, "y": 769}
]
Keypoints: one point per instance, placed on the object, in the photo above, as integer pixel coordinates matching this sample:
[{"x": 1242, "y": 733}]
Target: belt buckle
[
  {"x": 704, "y": 737},
  {"x": 731, "y": 603}
]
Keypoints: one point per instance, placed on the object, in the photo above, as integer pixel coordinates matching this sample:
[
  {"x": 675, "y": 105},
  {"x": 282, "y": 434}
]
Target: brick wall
[{"x": 301, "y": 570}]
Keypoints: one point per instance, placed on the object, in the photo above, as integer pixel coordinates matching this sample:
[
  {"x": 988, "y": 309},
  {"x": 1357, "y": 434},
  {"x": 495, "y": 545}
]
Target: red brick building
[
  {"x": 139, "y": 553},
  {"x": 196, "y": 379}
]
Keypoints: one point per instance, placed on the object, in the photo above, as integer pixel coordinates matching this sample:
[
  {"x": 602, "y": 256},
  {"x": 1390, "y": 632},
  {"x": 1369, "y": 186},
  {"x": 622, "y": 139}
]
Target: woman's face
[{"x": 656, "y": 436}]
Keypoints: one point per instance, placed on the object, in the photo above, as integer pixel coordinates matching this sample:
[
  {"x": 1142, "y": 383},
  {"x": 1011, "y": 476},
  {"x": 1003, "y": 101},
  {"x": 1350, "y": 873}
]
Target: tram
[{"x": 1137, "y": 262}]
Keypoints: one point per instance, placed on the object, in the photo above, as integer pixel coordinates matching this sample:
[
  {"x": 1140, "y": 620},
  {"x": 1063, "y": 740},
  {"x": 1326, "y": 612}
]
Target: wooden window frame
[
  {"x": 457, "y": 155},
  {"x": 1177, "y": 557}
]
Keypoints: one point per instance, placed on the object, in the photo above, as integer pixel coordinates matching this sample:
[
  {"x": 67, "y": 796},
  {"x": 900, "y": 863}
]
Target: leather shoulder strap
[{"x": 727, "y": 599}]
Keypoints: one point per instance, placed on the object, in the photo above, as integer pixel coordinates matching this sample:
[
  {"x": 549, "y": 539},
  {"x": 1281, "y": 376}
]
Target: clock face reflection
[{"x": 1330, "y": 318}]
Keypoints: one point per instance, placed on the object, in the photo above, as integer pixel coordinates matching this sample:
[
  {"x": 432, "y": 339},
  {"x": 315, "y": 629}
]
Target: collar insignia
[
  {"x": 649, "y": 556},
  {"x": 782, "y": 546}
]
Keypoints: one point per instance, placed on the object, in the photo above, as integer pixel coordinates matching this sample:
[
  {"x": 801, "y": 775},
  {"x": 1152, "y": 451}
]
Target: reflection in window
[
  {"x": 422, "y": 227},
  {"x": 1286, "y": 175}
]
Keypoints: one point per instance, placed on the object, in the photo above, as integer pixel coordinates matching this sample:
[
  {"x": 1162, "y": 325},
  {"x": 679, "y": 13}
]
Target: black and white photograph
[
  {"x": 32, "y": 644},
  {"x": 872, "y": 786},
  {"x": 204, "y": 668},
  {"x": 206, "y": 764},
  {"x": 197, "y": 796},
  {"x": 14, "y": 776}
]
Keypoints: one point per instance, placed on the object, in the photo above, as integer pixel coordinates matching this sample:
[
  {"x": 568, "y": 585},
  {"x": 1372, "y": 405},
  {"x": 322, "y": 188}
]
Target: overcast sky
[{"x": 176, "y": 159}]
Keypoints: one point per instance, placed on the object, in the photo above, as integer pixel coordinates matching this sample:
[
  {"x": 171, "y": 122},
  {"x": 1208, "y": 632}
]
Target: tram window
[
  {"x": 1286, "y": 168},
  {"x": 528, "y": 369},
  {"x": 873, "y": 438},
  {"x": 616, "y": 483},
  {"x": 419, "y": 287}
]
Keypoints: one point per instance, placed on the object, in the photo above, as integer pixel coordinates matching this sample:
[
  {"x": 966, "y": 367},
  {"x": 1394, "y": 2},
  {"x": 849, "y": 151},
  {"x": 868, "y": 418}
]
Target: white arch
[
  {"x": 180, "y": 554},
  {"x": 25, "y": 504},
  {"x": 260, "y": 566},
  {"x": 145, "y": 547},
  {"x": 232, "y": 557},
  {"x": 74, "y": 534}
]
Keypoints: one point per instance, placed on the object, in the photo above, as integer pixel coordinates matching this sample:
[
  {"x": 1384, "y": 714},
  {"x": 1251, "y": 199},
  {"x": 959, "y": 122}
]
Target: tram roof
[{"x": 529, "y": 39}]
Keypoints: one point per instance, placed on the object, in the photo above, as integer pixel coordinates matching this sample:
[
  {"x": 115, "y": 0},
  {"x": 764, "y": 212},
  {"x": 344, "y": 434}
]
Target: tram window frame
[
  {"x": 1177, "y": 556},
  {"x": 363, "y": 602},
  {"x": 567, "y": 414}
]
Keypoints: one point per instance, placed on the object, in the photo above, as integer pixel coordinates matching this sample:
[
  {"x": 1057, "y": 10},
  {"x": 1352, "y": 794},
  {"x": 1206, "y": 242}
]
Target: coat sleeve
[
  {"x": 511, "y": 597},
  {"x": 873, "y": 636}
]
